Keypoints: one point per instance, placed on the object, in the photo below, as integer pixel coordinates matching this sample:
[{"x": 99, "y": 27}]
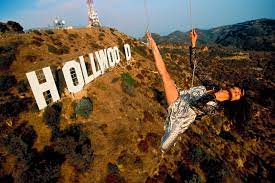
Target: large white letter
[
  {"x": 127, "y": 50},
  {"x": 38, "y": 89},
  {"x": 117, "y": 56},
  {"x": 87, "y": 78},
  {"x": 101, "y": 57},
  {"x": 111, "y": 55},
  {"x": 72, "y": 72},
  {"x": 96, "y": 72}
]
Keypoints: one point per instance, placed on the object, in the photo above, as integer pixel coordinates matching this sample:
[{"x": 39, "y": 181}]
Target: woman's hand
[
  {"x": 193, "y": 36},
  {"x": 152, "y": 44}
]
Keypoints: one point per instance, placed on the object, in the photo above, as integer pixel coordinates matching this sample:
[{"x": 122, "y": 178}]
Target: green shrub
[
  {"x": 13, "y": 106},
  {"x": 56, "y": 42},
  {"x": 38, "y": 39},
  {"x": 59, "y": 51},
  {"x": 140, "y": 50},
  {"x": 128, "y": 83},
  {"x": 37, "y": 43},
  {"x": 120, "y": 41},
  {"x": 7, "y": 81},
  {"x": 6, "y": 48},
  {"x": 101, "y": 36},
  {"x": 65, "y": 31},
  {"x": 31, "y": 58},
  {"x": 20, "y": 141},
  {"x": 6, "y": 60},
  {"x": 44, "y": 167},
  {"x": 53, "y": 49},
  {"x": 71, "y": 37},
  {"x": 187, "y": 175},
  {"x": 95, "y": 45},
  {"x": 52, "y": 115},
  {"x": 84, "y": 108},
  {"x": 76, "y": 146},
  {"x": 65, "y": 49},
  {"x": 22, "y": 86},
  {"x": 37, "y": 32},
  {"x": 215, "y": 170},
  {"x": 112, "y": 29},
  {"x": 196, "y": 154},
  {"x": 49, "y": 31}
]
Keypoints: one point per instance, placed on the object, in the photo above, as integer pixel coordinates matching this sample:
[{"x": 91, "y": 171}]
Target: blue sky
[{"x": 128, "y": 15}]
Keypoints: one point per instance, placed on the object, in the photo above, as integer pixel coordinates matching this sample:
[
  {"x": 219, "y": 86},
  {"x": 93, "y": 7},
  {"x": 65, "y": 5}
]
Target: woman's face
[{"x": 237, "y": 93}]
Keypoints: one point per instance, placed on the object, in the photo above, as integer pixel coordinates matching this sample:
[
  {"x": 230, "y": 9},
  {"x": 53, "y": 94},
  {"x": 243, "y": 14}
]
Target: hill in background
[{"x": 251, "y": 35}]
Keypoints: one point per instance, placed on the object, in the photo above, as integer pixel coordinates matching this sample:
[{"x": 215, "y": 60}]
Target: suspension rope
[
  {"x": 194, "y": 70},
  {"x": 147, "y": 16},
  {"x": 190, "y": 14}
]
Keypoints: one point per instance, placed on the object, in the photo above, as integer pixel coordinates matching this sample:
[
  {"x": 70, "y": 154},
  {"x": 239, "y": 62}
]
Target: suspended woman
[{"x": 186, "y": 105}]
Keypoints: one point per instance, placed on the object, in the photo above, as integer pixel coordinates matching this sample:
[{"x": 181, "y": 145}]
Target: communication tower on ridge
[
  {"x": 59, "y": 23},
  {"x": 92, "y": 15}
]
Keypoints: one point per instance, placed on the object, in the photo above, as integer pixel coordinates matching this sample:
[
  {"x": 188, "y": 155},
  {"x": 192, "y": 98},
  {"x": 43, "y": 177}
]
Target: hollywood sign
[{"x": 75, "y": 74}]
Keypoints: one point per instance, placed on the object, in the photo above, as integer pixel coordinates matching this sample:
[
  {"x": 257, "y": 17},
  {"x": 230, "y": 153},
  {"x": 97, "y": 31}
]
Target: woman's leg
[{"x": 170, "y": 89}]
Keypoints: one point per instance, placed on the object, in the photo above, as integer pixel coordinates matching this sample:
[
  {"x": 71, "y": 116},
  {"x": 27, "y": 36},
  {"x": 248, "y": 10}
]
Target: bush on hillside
[
  {"x": 54, "y": 50},
  {"x": 84, "y": 108},
  {"x": 101, "y": 36},
  {"x": 214, "y": 170},
  {"x": 59, "y": 51},
  {"x": 20, "y": 141},
  {"x": 31, "y": 58},
  {"x": 6, "y": 48},
  {"x": 95, "y": 46},
  {"x": 37, "y": 32},
  {"x": 140, "y": 50},
  {"x": 196, "y": 154},
  {"x": 128, "y": 84},
  {"x": 120, "y": 41},
  {"x": 13, "y": 106},
  {"x": 49, "y": 32},
  {"x": 65, "y": 31},
  {"x": 52, "y": 115},
  {"x": 36, "y": 43},
  {"x": 44, "y": 167},
  {"x": 76, "y": 146},
  {"x": 6, "y": 60},
  {"x": 56, "y": 42},
  {"x": 71, "y": 37},
  {"x": 7, "y": 81}
]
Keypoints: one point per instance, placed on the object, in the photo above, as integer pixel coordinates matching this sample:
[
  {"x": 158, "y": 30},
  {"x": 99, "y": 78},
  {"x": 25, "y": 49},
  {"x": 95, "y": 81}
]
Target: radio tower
[{"x": 92, "y": 15}]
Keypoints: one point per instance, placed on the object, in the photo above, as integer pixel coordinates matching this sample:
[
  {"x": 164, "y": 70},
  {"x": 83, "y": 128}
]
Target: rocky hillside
[
  {"x": 252, "y": 35},
  {"x": 111, "y": 131}
]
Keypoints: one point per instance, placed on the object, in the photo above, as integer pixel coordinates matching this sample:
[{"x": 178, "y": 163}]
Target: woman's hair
[{"x": 239, "y": 110}]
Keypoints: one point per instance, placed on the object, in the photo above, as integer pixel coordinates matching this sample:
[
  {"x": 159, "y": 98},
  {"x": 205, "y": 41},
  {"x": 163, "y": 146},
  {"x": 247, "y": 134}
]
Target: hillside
[
  {"x": 117, "y": 139},
  {"x": 252, "y": 35}
]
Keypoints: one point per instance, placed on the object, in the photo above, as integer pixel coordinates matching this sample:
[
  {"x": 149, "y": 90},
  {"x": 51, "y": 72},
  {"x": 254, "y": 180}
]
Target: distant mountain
[{"x": 252, "y": 35}]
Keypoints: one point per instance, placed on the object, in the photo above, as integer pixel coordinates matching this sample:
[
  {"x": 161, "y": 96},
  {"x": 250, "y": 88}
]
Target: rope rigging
[{"x": 146, "y": 16}]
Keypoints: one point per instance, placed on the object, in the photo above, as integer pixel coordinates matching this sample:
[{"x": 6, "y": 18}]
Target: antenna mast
[{"x": 93, "y": 20}]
